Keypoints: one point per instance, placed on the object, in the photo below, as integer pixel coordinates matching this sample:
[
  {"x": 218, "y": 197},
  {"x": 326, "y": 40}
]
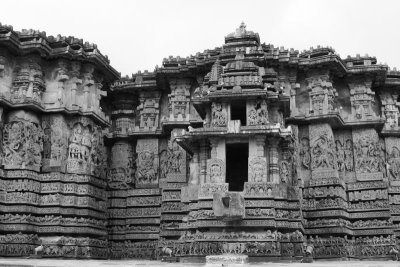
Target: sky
[{"x": 137, "y": 35}]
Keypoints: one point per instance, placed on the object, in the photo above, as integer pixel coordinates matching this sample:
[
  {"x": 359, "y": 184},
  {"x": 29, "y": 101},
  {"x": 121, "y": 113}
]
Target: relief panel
[{"x": 147, "y": 163}]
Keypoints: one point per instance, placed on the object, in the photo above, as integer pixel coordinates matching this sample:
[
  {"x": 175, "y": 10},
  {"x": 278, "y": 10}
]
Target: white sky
[{"x": 137, "y": 35}]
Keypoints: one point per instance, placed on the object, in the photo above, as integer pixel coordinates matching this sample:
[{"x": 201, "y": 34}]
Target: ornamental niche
[
  {"x": 28, "y": 84},
  {"x": 215, "y": 171},
  {"x": 179, "y": 100},
  {"x": 148, "y": 111},
  {"x": 322, "y": 94},
  {"x": 362, "y": 100},
  {"x": 22, "y": 142}
]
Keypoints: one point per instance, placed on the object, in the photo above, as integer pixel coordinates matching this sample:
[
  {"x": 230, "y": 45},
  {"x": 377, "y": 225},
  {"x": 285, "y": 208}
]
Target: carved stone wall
[{"x": 98, "y": 166}]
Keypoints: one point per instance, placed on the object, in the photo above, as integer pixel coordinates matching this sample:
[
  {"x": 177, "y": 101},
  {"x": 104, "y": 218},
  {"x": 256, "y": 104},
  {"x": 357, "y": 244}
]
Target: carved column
[
  {"x": 273, "y": 160},
  {"x": 216, "y": 166},
  {"x": 213, "y": 146},
  {"x": 87, "y": 85},
  {"x": 75, "y": 84},
  {"x": 257, "y": 163},
  {"x": 195, "y": 167},
  {"x": 203, "y": 160}
]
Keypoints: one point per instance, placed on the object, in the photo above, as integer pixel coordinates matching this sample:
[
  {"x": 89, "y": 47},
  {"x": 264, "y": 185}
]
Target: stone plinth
[
  {"x": 227, "y": 259},
  {"x": 228, "y": 206}
]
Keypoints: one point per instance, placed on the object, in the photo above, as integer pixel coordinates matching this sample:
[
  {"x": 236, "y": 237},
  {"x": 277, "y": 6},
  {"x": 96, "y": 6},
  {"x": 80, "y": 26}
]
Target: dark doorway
[
  {"x": 238, "y": 111},
  {"x": 236, "y": 165}
]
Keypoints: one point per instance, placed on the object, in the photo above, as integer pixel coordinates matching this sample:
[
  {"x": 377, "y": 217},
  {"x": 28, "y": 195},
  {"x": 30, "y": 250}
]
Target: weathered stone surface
[{"x": 98, "y": 166}]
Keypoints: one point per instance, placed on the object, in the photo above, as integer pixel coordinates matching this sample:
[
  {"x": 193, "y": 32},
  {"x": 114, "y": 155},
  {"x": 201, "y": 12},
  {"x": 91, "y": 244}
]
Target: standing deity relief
[
  {"x": 369, "y": 151},
  {"x": 147, "y": 163},
  {"x": 393, "y": 158},
  {"x": 390, "y": 110},
  {"x": 287, "y": 167},
  {"x": 121, "y": 174},
  {"x": 55, "y": 141},
  {"x": 173, "y": 162},
  {"x": 86, "y": 151},
  {"x": 304, "y": 153},
  {"x": 219, "y": 115},
  {"x": 258, "y": 113},
  {"x": 55, "y": 95},
  {"x": 344, "y": 155},
  {"x": 394, "y": 163},
  {"x": 322, "y": 152}
]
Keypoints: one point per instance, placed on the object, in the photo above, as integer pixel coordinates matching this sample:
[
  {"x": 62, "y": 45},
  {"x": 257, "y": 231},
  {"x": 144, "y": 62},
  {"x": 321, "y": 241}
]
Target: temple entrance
[{"x": 236, "y": 165}]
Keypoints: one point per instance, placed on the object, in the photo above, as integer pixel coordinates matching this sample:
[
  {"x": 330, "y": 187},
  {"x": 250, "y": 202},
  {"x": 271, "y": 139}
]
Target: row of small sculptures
[
  {"x": 343, "y": 222},
  {"x": 49, "y": 219},
  {"x": 296, "y": 236}
]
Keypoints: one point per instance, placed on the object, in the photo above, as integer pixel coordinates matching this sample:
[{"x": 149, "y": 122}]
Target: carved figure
[
  {"x": 219, "y": 116},
  {"x": 258, "y": 114},
  {"x": 322, "y": 153}
]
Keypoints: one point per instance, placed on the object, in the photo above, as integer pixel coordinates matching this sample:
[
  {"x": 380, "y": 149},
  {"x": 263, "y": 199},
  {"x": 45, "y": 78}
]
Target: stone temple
[{"x": 245, "y": 149}]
